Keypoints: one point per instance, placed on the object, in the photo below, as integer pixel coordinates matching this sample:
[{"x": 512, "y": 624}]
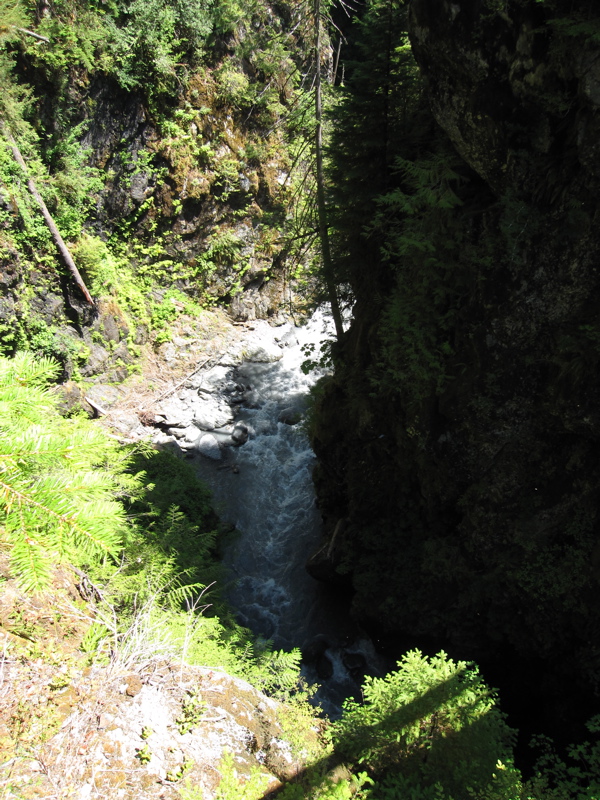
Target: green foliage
[
  {"x": 111, "y": 275},
  {"x": 420, "y": 238},
  {"x": 93, "y": 640},
  {"x": 232, "y": 786},
  {"x": 580, "y": 25},
  {"x": 148, "y": 47},
  {"x": 382, "y": 107},
  {"x": 432, "y": 719},
  {"x": 59, "y": 477},
  {"x": 192, "y": 712},
  {"x": 144, "y": 754},
  {"x": 12, "y": 17},
  {"x": 77, "y": 39},
  {"x": 317, "y": 787},
  {"x": 74, "y": 183},
  {"x": 574, "y": 777}
]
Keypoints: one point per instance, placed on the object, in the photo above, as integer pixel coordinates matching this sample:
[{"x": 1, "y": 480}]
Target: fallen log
[{"x": 58, "y": 240}]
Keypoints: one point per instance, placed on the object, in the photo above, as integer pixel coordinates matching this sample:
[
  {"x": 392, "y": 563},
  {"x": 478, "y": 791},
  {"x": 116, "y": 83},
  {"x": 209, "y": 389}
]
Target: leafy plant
[
  {"x": 144, "y": 754},
  {"x": 192, "y": 712},
  {"x": 432, "y": 719},
  {"x": 58, "y": 478},
  {"x": 148, "y": 48}
]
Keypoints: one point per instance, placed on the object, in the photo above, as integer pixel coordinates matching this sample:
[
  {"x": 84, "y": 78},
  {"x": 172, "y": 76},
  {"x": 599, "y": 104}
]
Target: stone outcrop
[{"x": 142, "y": 726}]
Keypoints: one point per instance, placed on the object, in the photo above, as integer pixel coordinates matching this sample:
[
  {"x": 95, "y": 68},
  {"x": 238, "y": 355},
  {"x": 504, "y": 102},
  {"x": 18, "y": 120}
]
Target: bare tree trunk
[
  {"x": 321, "y": 208},
  {"x": 59, "y": 241}
]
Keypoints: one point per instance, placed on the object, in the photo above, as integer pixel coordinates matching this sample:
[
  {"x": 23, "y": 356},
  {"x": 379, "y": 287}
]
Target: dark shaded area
[{"x": 457, "y": 440}]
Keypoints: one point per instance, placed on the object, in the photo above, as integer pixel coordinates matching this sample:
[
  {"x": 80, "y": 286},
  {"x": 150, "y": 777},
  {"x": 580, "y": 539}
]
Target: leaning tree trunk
[
  {"x": 59, "y": 241},
  {"x": 321, "y": 208}
]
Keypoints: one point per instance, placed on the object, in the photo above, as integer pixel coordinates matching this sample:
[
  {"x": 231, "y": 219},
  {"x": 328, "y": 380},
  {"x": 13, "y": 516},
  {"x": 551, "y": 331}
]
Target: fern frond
[{"x": 58, "y": 478}]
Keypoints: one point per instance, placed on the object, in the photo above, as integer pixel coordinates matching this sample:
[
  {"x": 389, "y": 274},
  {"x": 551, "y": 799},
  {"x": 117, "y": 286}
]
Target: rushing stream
[{"x": 264, "y": 488}]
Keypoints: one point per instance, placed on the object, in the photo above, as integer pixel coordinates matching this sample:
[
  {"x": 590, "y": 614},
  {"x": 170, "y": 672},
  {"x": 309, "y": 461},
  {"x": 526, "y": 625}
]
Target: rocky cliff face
[
  {"x": 470, "y": 513},
  {"x": 195, "y": 190},
  {"x": 186, "y": 193}
]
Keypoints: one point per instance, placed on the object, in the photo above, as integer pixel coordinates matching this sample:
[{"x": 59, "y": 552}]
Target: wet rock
[
  {"x": 288, "y": 339},
  {"x": 262, "y": 350},
  {"x": 240, "y": 434},
  {"x": 315, "y": 649},
  {"x": 212, "y": 413},
  {"x": 208, "y": 446},
  {"x": 290, "y": 416},
  {"x": 355, "y": 663},
  {"x": 324, "y": 667}
]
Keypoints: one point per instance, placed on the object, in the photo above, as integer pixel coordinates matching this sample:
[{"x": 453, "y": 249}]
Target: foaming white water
[{"x": 270, "y": 500}]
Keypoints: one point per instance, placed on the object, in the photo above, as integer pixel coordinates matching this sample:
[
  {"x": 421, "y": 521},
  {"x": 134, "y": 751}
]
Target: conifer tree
[
  {"x": 382, "y": 114},
  {"x": 320, "y": 180},
  {"x": 59, "y": 478}
]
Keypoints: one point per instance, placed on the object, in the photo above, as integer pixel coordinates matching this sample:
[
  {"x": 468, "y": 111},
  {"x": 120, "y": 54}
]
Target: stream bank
[{"x": 235, "y": 413}]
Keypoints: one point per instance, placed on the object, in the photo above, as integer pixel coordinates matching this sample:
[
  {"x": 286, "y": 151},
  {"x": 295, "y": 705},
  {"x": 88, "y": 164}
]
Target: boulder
[
  {"x": 174, "y": 414},
  {"x": 290, "y": 416},
  {"x": 209, "y": 381},
  {"x": 212, "y": 412},
  {"x": 240, "y": 434},
  {"x": 104, "y": 394},
  {"x": 208, "y": 446},
  {"x": 187, "y": 435},
  {"x": 262, "y": 350},
  {"x": 97, "y": 361}
]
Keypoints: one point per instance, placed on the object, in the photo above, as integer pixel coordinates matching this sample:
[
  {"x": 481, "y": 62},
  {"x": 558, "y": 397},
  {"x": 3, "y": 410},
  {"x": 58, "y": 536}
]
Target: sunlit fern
[{"x": 58, "y": 478}]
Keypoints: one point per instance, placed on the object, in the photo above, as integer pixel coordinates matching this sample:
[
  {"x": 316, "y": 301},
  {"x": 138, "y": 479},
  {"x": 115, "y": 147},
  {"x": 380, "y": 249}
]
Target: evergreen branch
[{"x": 66, "y": 519}]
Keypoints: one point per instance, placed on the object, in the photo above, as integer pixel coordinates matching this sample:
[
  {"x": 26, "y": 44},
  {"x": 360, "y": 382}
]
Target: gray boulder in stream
[
  {"x": 240, "y": 434},
  {"x": 208, "y": 446},
  {"x": 211, "y": 413},
  {"x": 290, "y": 416}
]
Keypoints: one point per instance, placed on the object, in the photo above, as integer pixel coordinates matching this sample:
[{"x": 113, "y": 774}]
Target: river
[{"x": 264, "y": 488}]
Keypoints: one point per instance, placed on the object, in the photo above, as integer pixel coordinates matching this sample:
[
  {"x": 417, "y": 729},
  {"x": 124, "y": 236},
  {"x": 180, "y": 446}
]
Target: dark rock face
[
  {"x": 473, "y": 512},
  {"x": 518, "y": 101}
]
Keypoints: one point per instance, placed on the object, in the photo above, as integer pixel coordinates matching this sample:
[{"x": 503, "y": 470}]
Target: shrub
[{"x": 433, "y": 721}]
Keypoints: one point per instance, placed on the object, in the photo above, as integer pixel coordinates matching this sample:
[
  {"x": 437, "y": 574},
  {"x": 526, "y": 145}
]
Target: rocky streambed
[
  {"x": 234, "y": 410},
  {"x": 200, "y": 417}
]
